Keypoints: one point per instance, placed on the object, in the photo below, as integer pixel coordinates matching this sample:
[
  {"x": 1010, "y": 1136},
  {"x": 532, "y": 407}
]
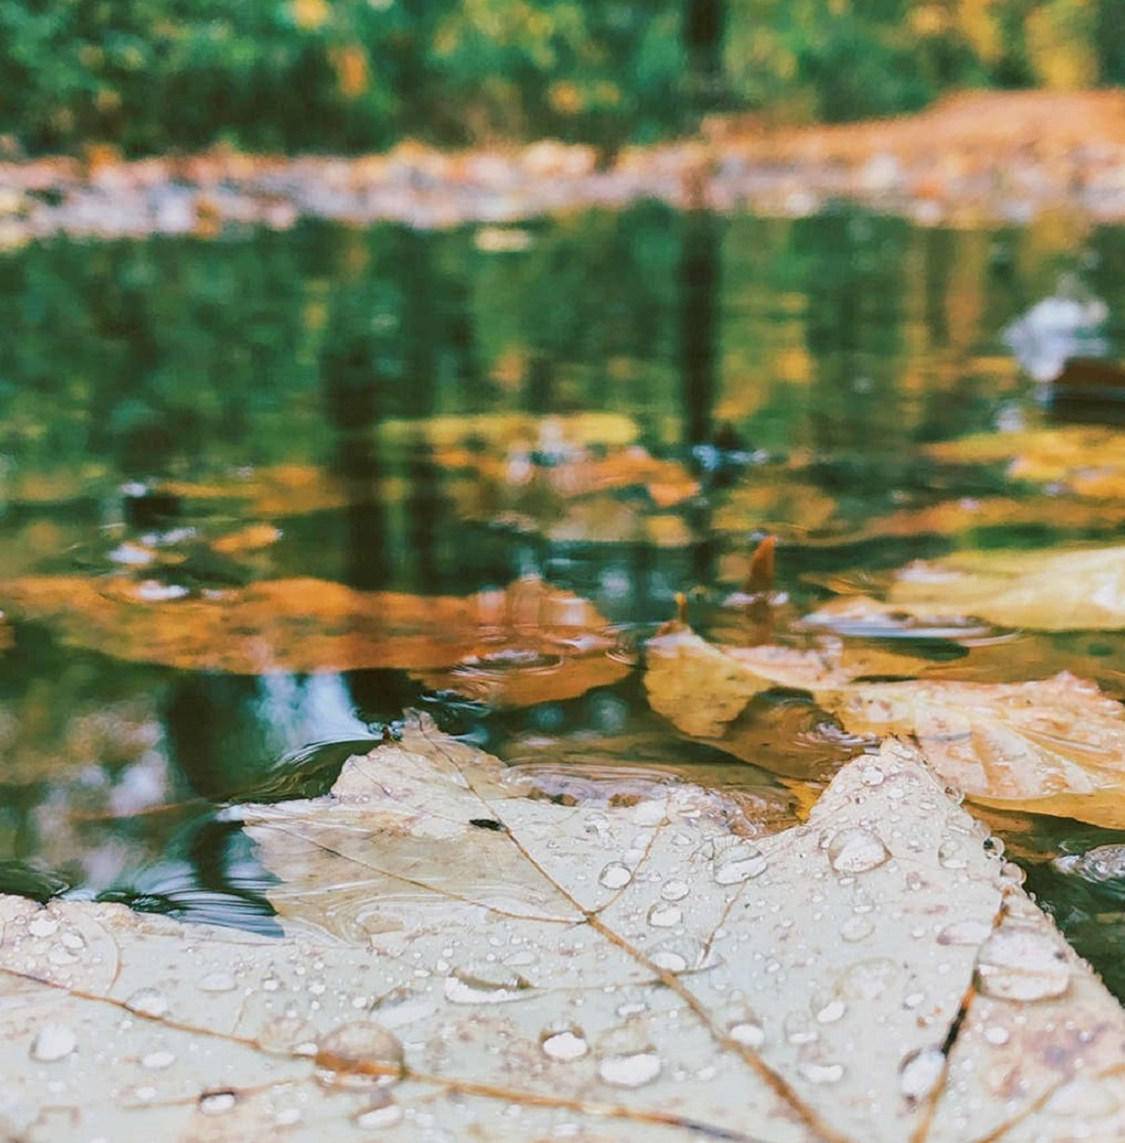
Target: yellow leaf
[
  {"x": 1088, "y": 461},
  {"x": 1055, "y": 746},
  {"x": 352, "y": 73},
  {"x": 700, "y": 687},
  {"x": 1083, "y": 589},
  {"x": 312, "y": 625},
  {"x": 249, "y": 539},
  {"x": 309, "y": 14}
]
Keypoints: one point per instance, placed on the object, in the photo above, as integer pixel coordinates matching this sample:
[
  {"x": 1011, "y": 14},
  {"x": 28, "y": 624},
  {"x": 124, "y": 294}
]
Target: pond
[{"x": 260, "y": 495}]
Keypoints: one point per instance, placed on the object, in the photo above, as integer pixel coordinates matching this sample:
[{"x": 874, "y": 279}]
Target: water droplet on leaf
[
  {"x": 663, "y": 915},
  {"x": 737, "y": 864},
  {"x": 1020, "y": 963},
  {"x": 856, "y": 850},
  {"x": 616, "y": 875},
  {"x": 53, "y": 1042},
  {"x": 632, "y": 1070},
  {"x": 148, "y": 1002},
  {"x": 920, "y": 1072},
  {"x": 565, "y": 1045},
  {"x": 360, "y": 1052}
]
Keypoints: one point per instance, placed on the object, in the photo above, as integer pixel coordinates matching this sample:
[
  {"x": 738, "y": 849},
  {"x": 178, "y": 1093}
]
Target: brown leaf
[
  {"x": 311, "y": 625},
  {"x": 1069, "y": 590},
  {"x": 700, "y": 687}
]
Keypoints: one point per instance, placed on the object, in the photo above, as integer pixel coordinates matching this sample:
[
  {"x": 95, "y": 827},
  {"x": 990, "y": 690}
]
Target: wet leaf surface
[
  {"x": 313, "y": 625},
  {"x": 1056, "y": 746},
  {"x": 603, "y": 971},
  {"x": 1075, "y": 590},
  {"x": 701, "y": 687}
]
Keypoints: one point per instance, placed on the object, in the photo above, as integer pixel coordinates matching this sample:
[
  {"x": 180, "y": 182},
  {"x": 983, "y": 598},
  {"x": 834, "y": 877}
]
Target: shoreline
[{"x": 975, "y": 159}]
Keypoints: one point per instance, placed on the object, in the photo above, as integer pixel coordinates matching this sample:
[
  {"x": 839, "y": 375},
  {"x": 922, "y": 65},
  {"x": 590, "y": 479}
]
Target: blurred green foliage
[{"x": 148, "y": 75}]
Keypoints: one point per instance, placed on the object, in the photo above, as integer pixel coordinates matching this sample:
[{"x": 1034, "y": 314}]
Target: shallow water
[{"x": 441, "y": 415}]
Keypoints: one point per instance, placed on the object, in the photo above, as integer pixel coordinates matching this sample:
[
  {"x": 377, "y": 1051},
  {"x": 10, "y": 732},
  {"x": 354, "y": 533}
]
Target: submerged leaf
[
  {"x": 614, "y": 972},
  {"x": 1056, "y": 746}
]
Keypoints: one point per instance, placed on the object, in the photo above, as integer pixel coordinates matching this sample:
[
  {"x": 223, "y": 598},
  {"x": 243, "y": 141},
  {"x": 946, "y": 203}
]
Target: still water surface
[{"x": 443, "y": 414}]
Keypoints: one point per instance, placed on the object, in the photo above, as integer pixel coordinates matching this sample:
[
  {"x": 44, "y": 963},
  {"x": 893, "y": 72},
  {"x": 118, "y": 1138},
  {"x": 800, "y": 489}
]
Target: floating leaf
[
  {"x": 777, "y": 504},
  {"x": 1090, "y": 461},
  {"x": 525, "y": 676},
  {"x": 700, "y": 687},
  {"x": 311, "y": 625},
  {"x": 968, "y": 514},
  {"x": 492, "y": 967},
  {"x": 1056, "y": 746},
  {"x": 252, "y": 538},
  {"x": 864, "y": 617},
  {"x": 1083, "y": 589}
]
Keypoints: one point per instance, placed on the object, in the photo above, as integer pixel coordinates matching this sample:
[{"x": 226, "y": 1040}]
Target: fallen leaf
[
  {"x": 502, "y": 431},
  {"x": 1090, "y": 461},
  {"x": 311, "y": 625},
  {"x": 1056, "y": 746},
  {"x": 1073, "y": 590},
  {"x": 968, "y": 514},
  {"x": 252, "y": 538},
  {"x": 700, "y": 687},
  {"x": 863, "y": 617},
  {"x": 463, "y": 961},
  {"x": 504, "y": 679},
  {"x": 667, "y": 481},
  {"x": 604, "y": 519},
  {"x": 775, "y": 504},
  {"x": 279, "y": 491}
]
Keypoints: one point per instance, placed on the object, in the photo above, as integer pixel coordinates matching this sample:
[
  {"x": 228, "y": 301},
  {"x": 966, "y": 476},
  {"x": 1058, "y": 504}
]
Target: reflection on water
[{"x": 300, "y": 440}]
